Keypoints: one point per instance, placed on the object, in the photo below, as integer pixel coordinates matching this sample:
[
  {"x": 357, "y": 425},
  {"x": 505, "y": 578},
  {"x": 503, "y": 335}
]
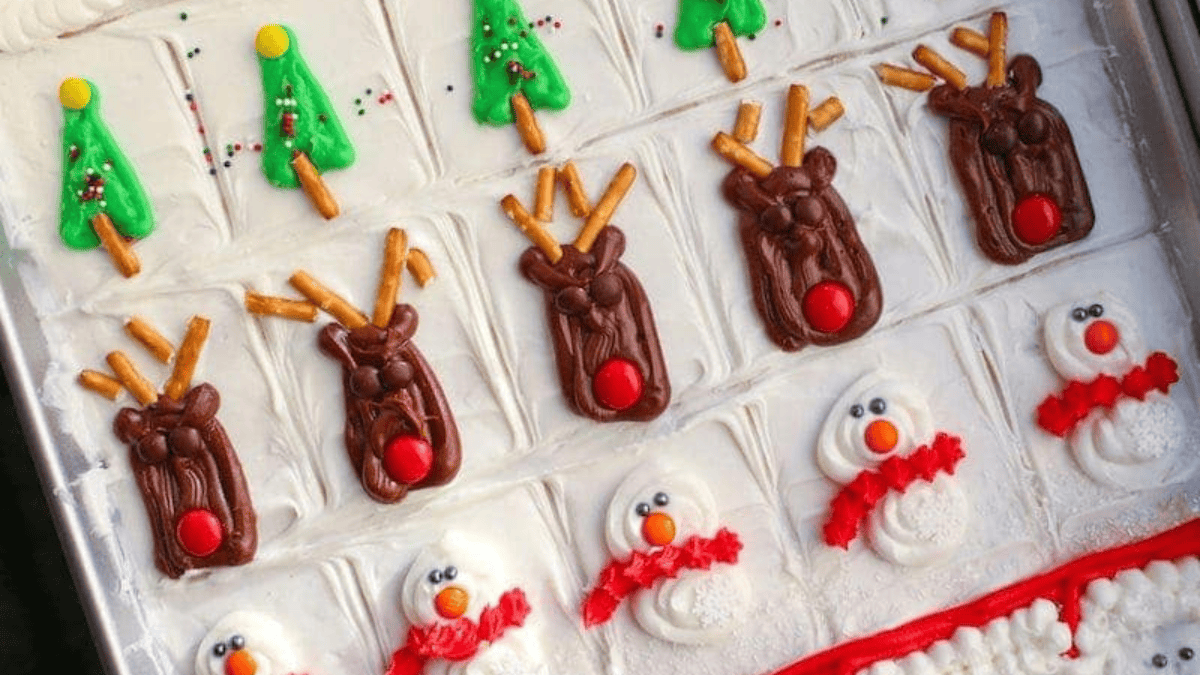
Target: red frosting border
[{"x": 1064, "y": 585}]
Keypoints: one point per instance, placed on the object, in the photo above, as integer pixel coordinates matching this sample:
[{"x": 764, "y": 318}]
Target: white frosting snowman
[
  {"x": 246, "y": 643},
  {"x": 877, "y": 418},
  {"x": 458, "y": 577},
  {"x": 1135, "y": 444},
  {"x": 658, "y": 506}
]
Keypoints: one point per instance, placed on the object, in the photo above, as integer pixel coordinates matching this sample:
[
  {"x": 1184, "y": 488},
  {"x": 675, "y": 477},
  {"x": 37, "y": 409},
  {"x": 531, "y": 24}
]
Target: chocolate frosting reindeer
[
  {"x": 606, "y": 346},
  {"x": 1012, "y": 151},
  {"x": 400, "y": 433},
  {"x": 186, "y": 468},
  {"x": 813, "y": 280}
]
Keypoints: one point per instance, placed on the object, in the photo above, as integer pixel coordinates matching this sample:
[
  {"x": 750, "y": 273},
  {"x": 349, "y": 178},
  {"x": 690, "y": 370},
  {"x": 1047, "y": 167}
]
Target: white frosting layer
[{"x": 537, "y": 480}]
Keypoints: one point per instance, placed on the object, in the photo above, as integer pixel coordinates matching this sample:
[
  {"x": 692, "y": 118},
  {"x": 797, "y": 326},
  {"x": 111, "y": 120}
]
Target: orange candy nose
[
  {"x": 1101, "y": 337},
  {"x": 451, "y": 602},
  {"x": 658, "y": 529},
  {"x": 240, "y": 663},
  {"x": 881, "y": 436}
]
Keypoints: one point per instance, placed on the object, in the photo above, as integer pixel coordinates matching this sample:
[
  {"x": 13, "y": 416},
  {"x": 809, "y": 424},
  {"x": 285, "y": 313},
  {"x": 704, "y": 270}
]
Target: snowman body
[
  {"x": 459, "y": 577},
  {"x": 659, "y": 506},
  {"x": 1135, "y": 444},
  {"x": 879, "y": 418},
  {"x": 246, "y": 642}
]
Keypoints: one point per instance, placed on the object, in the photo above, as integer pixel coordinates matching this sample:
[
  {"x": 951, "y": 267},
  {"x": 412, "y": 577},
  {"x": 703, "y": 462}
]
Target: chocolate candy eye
[
  {"x": 606, "y": 290},
  {"x": 572, "y": 300},
  {"x": 1033, "y": 127},
  {"x": 152, "y": 448},
  {"x": 1079, "y": 314},
  {"x": 435, "y": 577},
  {"x": 856, "y": 410},
  {"x": 809, "y": 210},
  {"x": 449, "y": 573},
  {"x": 661, "y": 499},
  {"x": 778, "y": 219},
  {"x": 237, "y": 642},
  {"x": 1000, "y": 138},
  {"x": 1159, "y": 660},
  {"x": 878, "y": 406},
  {"x": 397, "y": 374},
  {"x": 642, "y": 509},
  {"x": 365, "y": 382},
  {"x": 185, "y": 441},
  {"x": 219, "y": 649},
  {"x": 1186, "y": 653},
  {"x": 1096, "y": 311}
]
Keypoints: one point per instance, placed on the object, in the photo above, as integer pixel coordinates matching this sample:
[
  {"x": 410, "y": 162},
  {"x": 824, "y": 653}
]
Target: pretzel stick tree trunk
[
  {"x": 704, "y": 23},
  {"x": 514, "y": 74},
  {"x": 303, "y": 137},
  {"x": 102, "y": 202}
]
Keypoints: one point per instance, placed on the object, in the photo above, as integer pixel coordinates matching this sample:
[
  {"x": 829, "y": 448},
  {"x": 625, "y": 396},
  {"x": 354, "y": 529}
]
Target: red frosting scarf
[
  {"x": 620, "y": 578},
  {"x": 858, "y": 498},
  {"x": 1061, "y": 414},
  {"x": 460, "y": 639}
]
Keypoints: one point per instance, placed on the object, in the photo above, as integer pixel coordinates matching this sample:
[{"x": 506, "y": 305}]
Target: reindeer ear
[
  {"x": 404, "y": 321},
  {"x": 821, "y": 166},
  {"x": 332, "y": 341},
  {"x": 536, "y": 267},
  {"x": 200, "y": 405},
  {"x": 130, "y": 425},
  {"x": 1026, "y": 74}
]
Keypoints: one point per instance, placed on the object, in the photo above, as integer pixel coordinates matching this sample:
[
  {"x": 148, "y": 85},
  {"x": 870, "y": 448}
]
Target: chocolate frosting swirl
[
  {"x": 1007, "y": 144},
  {"x": 390, "y": 390},
  {"x": 183, "y": 460},
  {"x": 597, "y": 310},
  {"x": 796, "y": 232}
]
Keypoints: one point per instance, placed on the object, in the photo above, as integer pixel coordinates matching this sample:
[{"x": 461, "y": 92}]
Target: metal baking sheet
[{"x": 1158, "y": 115}]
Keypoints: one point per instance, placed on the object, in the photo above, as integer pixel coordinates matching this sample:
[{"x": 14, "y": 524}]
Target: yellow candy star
[
  {"x": 74, "y": 93},
  {"x": 272, "y": 41}
]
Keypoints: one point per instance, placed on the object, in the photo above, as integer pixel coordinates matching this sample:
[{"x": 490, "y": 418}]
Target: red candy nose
[
  {"x": 199, "y": 532},
  {"x": 1101, "y": 337},
  {"x": 1036, "y": 219},
  {"x": 407, "y": 459},
  {"x": 618, "y": 384},
  {"x": 828, "y": 306}
]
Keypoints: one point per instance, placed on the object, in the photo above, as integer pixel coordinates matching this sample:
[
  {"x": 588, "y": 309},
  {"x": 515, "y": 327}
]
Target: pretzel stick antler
[
  {"x": 140, "y": 329},
  {"x": 105, "y": 385},
  {"x": 531, "y": 228},
  {"x": 270, "y": 305},
  {"x": 395, "y": 256},
  {"x": 189, "y": 356},
  {"x": 543, "y": 199},
  {"x": 795, "y": 127},
  {"x": 745, "y": 129},
  {"x": 971, "y": 40},
  {"x": 131, "y": 379},
  {"x": 420, "y": 267},
  {"x": 998, "y": 50},
  {"x": 573, "y": 185},
  {"x": 331, "y": 302},
  {"x": 599, "y": 217}
]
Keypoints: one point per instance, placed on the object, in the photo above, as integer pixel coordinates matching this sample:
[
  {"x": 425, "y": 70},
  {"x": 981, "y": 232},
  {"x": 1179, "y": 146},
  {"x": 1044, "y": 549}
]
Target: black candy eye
[
  {"x": 237, "y": 642},
  {"x": 1096, "y": 310},
  {"x": 642, "y": 509},
  {"x": 878, "y": 406},
  {"x": 1000, "y": 138},
  {"x": 449, "y": 573},
  {"x": 856, "y": 410},
  {"x": 219, "y": 649},
  {"x": 661, "y": 499},
  {"x": 1159, "y": 660},
  {"x": 435, "y": 577},
  {"x": 1033, "y": 127},
  {"x": 1079, "y": 314},
  {"x": 1186, "y": 653}
]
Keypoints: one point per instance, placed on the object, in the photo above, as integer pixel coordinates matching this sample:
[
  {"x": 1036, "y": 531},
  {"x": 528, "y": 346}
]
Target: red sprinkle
[
  {"x": 258, "y": 147},
  {"x": 237, "y": 146},
  {"x": 199, "y": 532},
  {"x": 618, "y": 384},
  {"x": 828, "y": 306}
]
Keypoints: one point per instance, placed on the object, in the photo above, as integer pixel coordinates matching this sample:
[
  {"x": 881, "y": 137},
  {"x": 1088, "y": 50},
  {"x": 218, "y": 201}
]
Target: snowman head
[
  {"x": 245, "y": 643},
  {"x": 456, "y": 577},
  {"x": 656, "y": 506},
  {"x": 877, "y": 418},
  {"x": 1093, "y": 337}
]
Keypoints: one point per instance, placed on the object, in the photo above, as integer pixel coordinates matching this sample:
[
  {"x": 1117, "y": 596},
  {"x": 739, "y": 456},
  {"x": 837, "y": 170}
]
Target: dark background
[{"x": 42, "y": 626}]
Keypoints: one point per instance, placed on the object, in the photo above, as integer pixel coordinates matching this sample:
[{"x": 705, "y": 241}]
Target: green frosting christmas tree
[
  {"x": 101, "y": 194},
  {"x": 514, "y": 74},
  {"x": 705, "y": 23},
  {"x": 302, "y": 135}
]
